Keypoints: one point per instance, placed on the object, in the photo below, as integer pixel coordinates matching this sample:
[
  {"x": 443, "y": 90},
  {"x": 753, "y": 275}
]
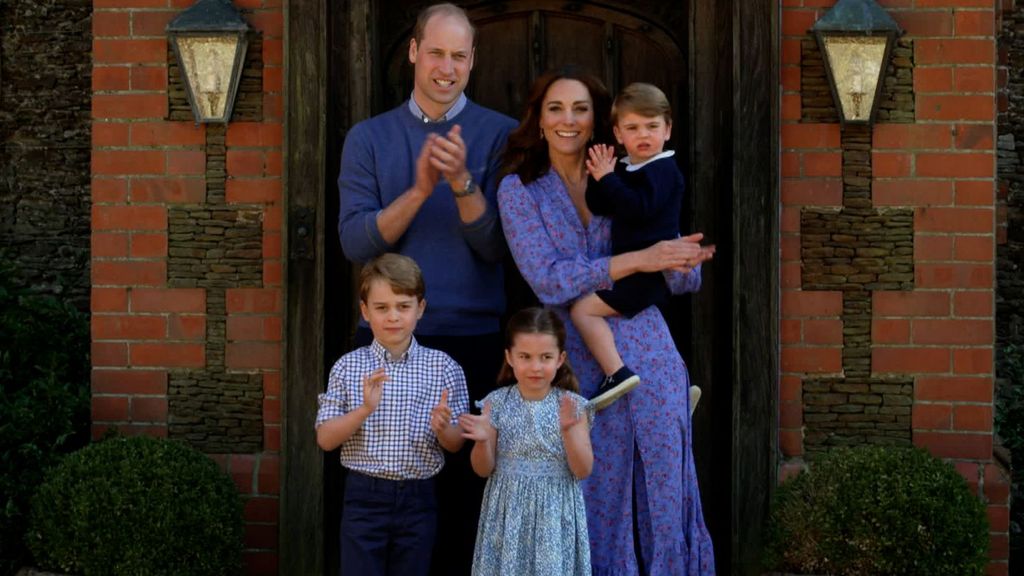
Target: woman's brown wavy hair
[{"x": 526, "y": 153}]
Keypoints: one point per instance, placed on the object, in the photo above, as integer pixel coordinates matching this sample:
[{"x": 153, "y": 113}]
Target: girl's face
[
  {"x": 567, "y": 117},
  {"x": 534, "y": 358}
]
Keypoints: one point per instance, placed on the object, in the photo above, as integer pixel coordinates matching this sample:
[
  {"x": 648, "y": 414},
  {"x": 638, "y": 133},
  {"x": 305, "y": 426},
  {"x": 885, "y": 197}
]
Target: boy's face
[
  {"x": 392, "y": 317},
  {"x": 643, "y": 136}
]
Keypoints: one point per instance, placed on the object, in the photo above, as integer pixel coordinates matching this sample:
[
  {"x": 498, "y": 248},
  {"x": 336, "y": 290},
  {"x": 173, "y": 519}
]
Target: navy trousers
[{"x": 388, "y": 527}]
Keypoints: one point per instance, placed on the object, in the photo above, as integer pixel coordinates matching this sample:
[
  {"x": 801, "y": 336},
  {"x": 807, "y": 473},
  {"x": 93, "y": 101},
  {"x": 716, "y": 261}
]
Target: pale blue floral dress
[{"x": 533, "y": 520}]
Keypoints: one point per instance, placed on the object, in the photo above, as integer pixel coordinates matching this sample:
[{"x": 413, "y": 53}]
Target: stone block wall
[
  {"x": 187, "y": 268},
  {"x": 45, "y": 72},
  {"x": 888, "y": 250}
]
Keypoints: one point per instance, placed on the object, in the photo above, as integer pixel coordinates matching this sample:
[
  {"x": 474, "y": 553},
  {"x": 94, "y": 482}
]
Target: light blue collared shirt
[{"x": 450, "y": 114}]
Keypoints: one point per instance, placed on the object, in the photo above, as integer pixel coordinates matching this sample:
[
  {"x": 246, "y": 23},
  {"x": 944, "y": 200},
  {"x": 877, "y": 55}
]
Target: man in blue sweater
[{"x": 421, "y": 180}]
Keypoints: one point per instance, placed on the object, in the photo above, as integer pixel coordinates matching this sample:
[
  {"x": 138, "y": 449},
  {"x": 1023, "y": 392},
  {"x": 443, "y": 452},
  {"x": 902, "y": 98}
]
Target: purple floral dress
[{"x": 641, "y": 442}]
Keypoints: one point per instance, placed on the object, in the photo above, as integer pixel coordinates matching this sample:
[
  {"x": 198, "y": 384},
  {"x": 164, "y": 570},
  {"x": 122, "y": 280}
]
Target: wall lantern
[
  {"x": 209, "y": 40},
  {"x": 856, "y": 37}
]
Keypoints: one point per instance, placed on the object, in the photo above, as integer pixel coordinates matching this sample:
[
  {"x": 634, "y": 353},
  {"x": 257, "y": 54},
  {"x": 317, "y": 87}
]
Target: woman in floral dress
[{"x": 643, "y": 480}]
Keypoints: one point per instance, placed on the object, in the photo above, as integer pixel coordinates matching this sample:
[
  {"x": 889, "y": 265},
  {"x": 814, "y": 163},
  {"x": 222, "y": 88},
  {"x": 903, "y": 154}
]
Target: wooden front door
[{"x": 348, "y": 61}]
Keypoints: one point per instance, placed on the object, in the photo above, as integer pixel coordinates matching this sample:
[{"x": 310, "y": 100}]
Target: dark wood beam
[
  {"x": 302, "y": 479},
  {"x": 755, "y": 274}
]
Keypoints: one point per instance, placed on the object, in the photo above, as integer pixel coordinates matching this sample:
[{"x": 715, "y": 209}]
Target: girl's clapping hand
[
  {"x": 569, "y": 414},
  {"x": 478, "y": 428}
]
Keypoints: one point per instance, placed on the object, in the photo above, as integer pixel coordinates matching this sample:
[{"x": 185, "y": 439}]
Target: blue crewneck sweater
[{"x": 461, "y": 262}]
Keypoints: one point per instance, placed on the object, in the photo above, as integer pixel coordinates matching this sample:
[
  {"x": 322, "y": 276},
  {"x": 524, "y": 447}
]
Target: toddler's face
[{"x": 643, "y": 136}]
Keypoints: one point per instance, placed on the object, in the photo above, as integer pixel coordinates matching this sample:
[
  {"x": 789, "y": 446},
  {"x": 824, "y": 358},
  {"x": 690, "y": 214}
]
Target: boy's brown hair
[
  {"x": 643, "y": 99},
  {"x": 400, "y": 272}
]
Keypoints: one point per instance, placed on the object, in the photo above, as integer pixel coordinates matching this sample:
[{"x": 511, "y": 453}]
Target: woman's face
[{"x": 567, "y": 118}]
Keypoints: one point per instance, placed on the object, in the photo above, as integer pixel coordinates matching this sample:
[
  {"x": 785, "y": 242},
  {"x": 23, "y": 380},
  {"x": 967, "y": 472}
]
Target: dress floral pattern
[
  {"x": 642, "y": 442},
  {"x": 533, "y": 519}
]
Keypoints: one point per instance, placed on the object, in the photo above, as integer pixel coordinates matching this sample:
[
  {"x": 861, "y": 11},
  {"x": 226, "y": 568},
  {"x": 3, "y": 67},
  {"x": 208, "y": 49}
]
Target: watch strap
[{"x": 467, "y": 188}]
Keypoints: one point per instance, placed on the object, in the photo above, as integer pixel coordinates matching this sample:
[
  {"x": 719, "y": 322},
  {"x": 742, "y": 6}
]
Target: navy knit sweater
[
  {"x": 461, "y": 262},
  {"x": 644, "y": 204}
]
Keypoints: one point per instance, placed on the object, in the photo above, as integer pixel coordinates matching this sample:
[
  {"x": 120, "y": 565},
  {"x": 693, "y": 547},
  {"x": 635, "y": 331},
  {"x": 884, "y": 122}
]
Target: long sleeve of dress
[
  {"x": 681, "y": 283},
  {"x": 556, "y": 266}
]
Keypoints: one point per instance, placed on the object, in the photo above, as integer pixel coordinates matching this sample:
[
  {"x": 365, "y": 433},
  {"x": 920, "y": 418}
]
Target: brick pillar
[
  {"x": 934, "y": 162},
  {"x": 186, "y": 255}
]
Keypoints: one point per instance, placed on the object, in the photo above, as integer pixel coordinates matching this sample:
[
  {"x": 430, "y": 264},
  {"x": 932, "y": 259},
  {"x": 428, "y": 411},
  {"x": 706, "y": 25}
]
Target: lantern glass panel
[
  {"x": 208, "y": 62},
  {"x": 856, "y": 63}
]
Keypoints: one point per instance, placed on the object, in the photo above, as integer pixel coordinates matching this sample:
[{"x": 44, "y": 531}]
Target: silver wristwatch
[{"x": 467, "y": 188}]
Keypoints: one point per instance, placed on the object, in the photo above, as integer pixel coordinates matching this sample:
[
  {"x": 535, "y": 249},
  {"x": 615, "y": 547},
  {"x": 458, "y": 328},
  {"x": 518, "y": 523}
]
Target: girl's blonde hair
[{"x": 536, "y": 320}]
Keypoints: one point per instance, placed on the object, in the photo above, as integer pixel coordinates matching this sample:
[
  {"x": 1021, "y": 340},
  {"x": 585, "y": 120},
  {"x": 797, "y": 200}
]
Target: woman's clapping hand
[{"x": 682, "y": 254}]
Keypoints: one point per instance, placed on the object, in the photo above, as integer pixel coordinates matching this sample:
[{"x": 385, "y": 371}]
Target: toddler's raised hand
[
  {"x": 477, "y": 428},
  {"x": 441, "y": 415},
  {"x": 600, "y": 161}
]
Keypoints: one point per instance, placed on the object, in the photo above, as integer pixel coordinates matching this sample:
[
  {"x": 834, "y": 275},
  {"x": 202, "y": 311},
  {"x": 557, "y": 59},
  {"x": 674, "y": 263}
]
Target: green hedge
[
  {"x": 137, "y": 506},
  {"x": 880, "y": 511},
  {"x": 44, "y": 400}
]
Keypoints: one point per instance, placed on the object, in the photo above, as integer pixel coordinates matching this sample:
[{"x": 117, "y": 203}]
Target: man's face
[{"x": 442, "y": 61}]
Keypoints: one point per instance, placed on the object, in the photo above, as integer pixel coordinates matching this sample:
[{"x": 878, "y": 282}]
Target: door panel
[
  {"x": 571, "y": 40},
  {"x": 501, "y": 73}
]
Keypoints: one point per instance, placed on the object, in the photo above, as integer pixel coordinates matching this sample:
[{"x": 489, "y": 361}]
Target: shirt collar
[
  {"x": 449, "y": 115},
  {"x": 635, "y": 167},
  {"x": 382, "y": 354}
]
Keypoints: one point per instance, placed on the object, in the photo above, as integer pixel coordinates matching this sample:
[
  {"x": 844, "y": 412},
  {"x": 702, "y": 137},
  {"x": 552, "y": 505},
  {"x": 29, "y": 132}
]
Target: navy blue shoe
[{"x": 614, "y": 387}]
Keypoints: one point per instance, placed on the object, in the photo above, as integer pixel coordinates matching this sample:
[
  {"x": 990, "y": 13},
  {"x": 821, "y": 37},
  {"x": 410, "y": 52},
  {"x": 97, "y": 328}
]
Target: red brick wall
[
  {"x": 943, "y": 167},
  {"x": 142, "y": 165}
]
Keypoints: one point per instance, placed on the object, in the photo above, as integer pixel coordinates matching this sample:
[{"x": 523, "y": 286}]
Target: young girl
[{"x": 533, "y": 444}]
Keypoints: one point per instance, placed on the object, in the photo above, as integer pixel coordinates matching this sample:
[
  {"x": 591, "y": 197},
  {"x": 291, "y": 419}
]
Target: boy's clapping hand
[
  {"x": 441, "y": 415},
  {"x": 373, "y": 388}
]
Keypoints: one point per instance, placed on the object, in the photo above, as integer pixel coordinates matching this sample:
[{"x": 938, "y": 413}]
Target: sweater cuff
[{"x": 373, "y": 233}]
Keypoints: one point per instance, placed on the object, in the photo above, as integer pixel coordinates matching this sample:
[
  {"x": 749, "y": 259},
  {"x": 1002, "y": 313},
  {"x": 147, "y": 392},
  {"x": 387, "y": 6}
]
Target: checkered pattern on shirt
[{"x": 396, "y": 441}]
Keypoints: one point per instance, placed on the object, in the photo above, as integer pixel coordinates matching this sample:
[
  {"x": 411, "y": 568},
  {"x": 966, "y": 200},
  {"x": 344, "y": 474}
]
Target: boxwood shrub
[
  {"x": 44, "y": 399},
  {"x": 877, "y": 510},
  {"x": 137, "y": 506}
]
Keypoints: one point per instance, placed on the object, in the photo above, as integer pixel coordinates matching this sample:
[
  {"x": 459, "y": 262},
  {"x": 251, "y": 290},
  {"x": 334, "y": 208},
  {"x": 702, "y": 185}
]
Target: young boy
[
  {"x": 391, "y": 406},
  {"x": 643, "y": 195}
]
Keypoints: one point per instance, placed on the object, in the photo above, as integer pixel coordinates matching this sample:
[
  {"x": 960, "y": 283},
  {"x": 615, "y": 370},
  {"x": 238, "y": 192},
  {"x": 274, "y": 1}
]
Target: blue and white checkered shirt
[{"x": 396, "y": 441}]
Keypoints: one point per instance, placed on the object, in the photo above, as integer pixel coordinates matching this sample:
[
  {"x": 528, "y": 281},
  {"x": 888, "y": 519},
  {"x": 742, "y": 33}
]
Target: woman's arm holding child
[
  {"x": 482, "y": 432},
  {"x": 576, "y": 438}
]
